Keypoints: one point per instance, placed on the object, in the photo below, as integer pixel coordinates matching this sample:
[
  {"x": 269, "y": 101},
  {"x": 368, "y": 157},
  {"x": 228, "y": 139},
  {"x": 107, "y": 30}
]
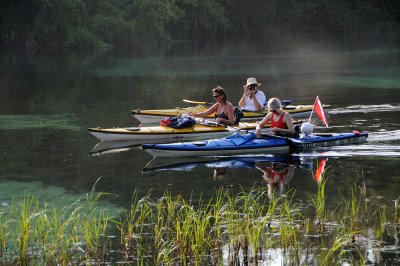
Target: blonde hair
[{"x": 274, "y": 104}]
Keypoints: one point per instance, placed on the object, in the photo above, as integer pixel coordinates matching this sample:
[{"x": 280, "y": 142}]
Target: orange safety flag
[
  {"x": 320, "y": 170},
  {"x": 320, "y": 111}
]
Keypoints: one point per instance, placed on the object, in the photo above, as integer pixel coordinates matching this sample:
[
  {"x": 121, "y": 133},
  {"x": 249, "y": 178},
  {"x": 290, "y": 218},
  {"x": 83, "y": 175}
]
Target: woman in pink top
[{"x": 281, "y": 121}]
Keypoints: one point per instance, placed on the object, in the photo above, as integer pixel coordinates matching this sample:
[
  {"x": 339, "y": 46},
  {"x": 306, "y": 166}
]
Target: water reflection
[
  {"x": 277, "y": 176},
  {"x": 105, "y": 147},
  {"x": 219, "y": 173},
  {"x": 276, "y": 169}
]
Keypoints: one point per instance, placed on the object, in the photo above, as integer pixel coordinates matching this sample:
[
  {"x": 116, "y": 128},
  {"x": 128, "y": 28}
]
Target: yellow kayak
[{"x": 154, "y": 116}]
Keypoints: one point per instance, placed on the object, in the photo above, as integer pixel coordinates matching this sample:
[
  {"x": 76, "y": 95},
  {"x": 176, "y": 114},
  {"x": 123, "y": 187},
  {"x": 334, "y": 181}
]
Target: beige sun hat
[{"x": 251, "y": 81}]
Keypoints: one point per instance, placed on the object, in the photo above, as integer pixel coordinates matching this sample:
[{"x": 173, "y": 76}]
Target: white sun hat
[{"x": 251, "y": 81}]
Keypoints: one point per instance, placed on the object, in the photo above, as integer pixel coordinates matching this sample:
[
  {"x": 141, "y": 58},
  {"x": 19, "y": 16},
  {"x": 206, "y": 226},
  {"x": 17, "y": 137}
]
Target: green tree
[
  {"x": 153, "y": 17},
  {"x": 64, "y": 24}
]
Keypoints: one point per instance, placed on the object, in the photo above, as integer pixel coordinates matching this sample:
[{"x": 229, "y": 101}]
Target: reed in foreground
[{"x": 228, "y": 228}]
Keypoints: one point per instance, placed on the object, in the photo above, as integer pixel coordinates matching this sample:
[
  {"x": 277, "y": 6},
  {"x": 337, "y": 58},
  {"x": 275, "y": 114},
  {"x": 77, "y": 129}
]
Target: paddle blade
[{"x": 320, "y": 111}]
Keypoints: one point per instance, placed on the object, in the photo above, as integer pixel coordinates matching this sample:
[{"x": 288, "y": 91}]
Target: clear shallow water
[{"x": 47, "y": 104}]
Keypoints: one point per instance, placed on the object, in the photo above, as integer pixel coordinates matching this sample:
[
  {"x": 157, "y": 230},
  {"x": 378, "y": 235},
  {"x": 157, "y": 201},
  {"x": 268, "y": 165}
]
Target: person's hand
[
  {"x": 258, "y": 132},
  {"x": 245, "y": 89},
  {"x": 251, "y": 93},
  {"x": 275, "y": 130}
]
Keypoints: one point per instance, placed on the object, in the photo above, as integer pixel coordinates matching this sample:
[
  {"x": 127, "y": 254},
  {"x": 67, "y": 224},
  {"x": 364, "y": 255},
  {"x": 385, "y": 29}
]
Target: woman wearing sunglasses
[
  {"x": 222, "y": 108},
  {"x": 281, "y": 121},
  {"x": 252, "y": 99}
]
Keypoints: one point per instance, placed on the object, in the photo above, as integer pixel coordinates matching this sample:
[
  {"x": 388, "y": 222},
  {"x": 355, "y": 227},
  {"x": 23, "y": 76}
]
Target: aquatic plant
[
  {"x": 396, "y": 215},
  {"x": 4, "y": 234},
  {"x": 132, "y": 225},
  {"x": 247, "y": 227},
  {"x": 318, "y": 201}
]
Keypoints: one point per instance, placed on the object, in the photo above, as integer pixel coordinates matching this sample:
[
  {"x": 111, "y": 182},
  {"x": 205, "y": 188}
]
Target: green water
[
  {"x": 47, "y": 104},
  {"x": 19, "y": 122}
]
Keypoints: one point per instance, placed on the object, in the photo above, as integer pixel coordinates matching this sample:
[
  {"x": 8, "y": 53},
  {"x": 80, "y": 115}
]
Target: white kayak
[{"x": 155, "y": 134}]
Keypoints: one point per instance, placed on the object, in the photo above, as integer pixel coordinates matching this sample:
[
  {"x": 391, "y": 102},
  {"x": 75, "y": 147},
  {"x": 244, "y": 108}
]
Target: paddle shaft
[
  {"x": 268, "y": 135},
  {"x": 195, "y": 102}
]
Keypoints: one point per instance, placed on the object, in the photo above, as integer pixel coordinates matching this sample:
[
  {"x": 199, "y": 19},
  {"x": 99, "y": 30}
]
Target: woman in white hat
[{"x": 253, "y": 99}]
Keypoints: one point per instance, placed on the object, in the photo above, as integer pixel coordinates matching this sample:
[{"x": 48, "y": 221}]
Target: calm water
[{"x": 47, "y": 104}]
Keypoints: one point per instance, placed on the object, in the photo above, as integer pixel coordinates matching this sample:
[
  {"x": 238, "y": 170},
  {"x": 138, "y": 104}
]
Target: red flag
[
  {"x": 320, "y": 111},
  {"x": 321, "y": 169}
]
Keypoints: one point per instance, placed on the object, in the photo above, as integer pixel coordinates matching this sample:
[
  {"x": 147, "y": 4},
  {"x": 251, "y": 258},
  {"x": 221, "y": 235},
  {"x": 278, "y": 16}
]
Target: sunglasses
[{"x": 216, "y": 96}]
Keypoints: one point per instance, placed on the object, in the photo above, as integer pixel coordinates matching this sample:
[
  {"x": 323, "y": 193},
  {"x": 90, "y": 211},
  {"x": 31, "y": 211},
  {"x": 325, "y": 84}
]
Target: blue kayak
[{"x": 249, "y": 144}]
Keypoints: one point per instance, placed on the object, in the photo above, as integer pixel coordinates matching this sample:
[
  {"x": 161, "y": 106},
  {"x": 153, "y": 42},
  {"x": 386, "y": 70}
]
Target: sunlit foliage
[{"x": 79, "y": 25}]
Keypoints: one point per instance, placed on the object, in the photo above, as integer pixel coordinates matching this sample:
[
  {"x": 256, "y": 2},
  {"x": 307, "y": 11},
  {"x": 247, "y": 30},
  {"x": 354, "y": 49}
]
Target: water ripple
[
  {"x": 355, "y": 150},
  {"x": 366, "y": 109},
  {"x": 384, "y": 136}
]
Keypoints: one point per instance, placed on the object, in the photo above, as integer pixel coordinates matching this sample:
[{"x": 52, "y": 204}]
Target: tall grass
[
  {"x": 318, "y": 201},
  {"x": 4, "y": 234},
  {"x": 243, "y": 228},
  {"x": 396, "y": 214}
]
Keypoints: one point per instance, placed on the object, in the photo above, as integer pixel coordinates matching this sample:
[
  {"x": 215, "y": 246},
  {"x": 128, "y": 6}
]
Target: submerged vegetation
[
  {"x": 248, "y": 227},
  {"x": 50, "y": 26}
]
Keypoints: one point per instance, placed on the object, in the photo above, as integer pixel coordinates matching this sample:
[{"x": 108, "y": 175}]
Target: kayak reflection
[
  {"x": 277, "y": 170},
  {"x": 104, "y": 147},
  {"x": 220, "y": 164},
  {"x": 115, "y": 146}
]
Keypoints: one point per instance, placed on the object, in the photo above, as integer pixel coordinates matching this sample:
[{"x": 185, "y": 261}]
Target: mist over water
[{"x": 48, "y": 103}]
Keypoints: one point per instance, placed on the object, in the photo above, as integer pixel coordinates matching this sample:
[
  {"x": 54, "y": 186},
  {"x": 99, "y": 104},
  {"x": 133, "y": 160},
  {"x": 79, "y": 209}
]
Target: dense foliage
[{"x": 64, "y": 25}]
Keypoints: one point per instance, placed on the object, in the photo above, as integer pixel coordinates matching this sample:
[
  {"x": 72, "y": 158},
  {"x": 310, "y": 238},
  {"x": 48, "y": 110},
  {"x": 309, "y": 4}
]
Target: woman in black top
[{"x": 222, "y": 108}]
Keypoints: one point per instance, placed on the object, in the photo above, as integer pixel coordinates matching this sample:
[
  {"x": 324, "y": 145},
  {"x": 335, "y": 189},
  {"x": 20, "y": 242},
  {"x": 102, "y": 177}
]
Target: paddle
[
  {"x": 285, "y": 103},
  {"x": 205, "y": 122},
  {"x": 195, "y": 102},
  {"x": 288, "y": 139}
]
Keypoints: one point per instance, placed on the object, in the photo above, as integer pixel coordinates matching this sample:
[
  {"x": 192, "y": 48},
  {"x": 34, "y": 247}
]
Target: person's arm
[
  {"x": 289, "y": 175},
  {"x": 207, "y": 112},
  {"x": 242, "y": 101},
  {"x": 263, "y": 122},
  {"x": 230, "y": 114}
]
